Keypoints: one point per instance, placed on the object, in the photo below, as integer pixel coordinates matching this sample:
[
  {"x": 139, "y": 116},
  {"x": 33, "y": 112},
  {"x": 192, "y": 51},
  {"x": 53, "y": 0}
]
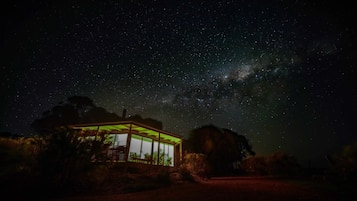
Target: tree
[
  {"x": 99, "y": 114},
  {"x": 223, "y": 147},
  {"x": 255, "y": 165},
  {"x": 17, "y": 155},
  {"x": 148, "y": 121},
  {"x": 282, "y": 164},
  {"x": 66, "y": 159},
  {"x": 276, "y": 164},
  {"x": 81, "y": 109},
  {"x": 344, "y": 163},
  {"x": 75, "y": 110}
]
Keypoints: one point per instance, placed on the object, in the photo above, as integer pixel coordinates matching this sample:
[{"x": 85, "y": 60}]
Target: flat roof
[{"x": 124, "y": 127}]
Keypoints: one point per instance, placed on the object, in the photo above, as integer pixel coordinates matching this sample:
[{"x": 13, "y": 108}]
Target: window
[
  {"x": 116, "y": 140},
  {"x": 140, "y": 149},
  {"x": 117, "y": 144},
  {"x": 166, "y": 155}
]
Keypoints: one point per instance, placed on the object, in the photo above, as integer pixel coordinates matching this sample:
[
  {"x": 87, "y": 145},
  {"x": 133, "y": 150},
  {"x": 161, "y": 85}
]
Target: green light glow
[{"x": 136, "y": 128}]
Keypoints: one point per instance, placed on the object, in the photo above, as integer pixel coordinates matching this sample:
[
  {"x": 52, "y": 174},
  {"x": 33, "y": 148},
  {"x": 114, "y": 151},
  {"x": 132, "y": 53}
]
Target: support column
[
  {"x": 152, "y": 151},
  {"x": 180, "y": 154},
  {"x": 158, "y": 151},
  {"x": 127, "y": 148}
]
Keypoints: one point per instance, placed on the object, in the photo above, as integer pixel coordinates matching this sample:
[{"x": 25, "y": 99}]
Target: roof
[{"x": 125, "y": 126}]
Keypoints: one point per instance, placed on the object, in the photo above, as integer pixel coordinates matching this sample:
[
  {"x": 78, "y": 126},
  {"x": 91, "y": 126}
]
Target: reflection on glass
[{"x": 141, "y": 151}]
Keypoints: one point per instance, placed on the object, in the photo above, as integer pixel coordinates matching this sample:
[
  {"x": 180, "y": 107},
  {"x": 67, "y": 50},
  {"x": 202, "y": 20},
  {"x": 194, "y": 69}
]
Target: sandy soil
[{"x": 230, "y": 188}]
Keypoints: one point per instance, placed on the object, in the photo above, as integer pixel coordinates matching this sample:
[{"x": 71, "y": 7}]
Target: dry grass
[{"x": 232, "y": 188}]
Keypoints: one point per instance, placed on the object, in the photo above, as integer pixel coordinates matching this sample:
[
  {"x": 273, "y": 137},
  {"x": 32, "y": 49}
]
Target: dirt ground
[{"x": 234, "y": 188}]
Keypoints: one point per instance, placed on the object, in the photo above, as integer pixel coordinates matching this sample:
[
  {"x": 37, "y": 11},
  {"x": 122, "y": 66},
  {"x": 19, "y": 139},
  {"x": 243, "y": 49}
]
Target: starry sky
[{"x": 279, "y": 72}]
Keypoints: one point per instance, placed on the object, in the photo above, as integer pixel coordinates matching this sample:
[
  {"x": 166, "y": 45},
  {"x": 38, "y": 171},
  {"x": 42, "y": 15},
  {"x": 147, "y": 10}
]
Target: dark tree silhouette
[
  {"x": 223, "y": 147},
  {"x": 75, "y": 110},
  {"x": 276, "y": 164},
  {"x": 148, "y": 121},
  {"x": 65, "y": 160},
  {"x": 79, "y": 110},
  {"x": 344, "y": 162},
  {"x": 99, "y": 114}
]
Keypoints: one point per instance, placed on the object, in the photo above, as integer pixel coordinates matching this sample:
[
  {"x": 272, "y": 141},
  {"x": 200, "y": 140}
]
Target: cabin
[{"x": 132, "y": 142}]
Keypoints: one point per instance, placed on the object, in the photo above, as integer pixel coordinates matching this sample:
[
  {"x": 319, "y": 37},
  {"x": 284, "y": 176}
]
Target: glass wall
[
  {"x": 116, "y": 140},
  {"x": 164, "y": 155},
  {"x": 146, "y": 150},
  {"x": 117, "y": 145},
  {"x": 140, "y": 149}
]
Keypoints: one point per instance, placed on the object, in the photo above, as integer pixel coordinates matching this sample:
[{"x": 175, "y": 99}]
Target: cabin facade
[{"x": 132, "y": 142}]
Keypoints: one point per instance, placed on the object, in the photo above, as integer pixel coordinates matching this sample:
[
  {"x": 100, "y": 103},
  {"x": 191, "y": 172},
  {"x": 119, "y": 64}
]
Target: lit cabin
[{"x": 137, "y": 143}]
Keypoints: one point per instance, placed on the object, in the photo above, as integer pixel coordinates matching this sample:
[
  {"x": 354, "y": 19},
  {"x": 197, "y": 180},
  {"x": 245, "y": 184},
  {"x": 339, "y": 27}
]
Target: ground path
[{"x": 229, "y": 188}]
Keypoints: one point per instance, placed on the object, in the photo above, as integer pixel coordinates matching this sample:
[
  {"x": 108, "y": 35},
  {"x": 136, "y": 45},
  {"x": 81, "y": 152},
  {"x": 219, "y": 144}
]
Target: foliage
[
  {"x": 66, "y": 159},
  {"x": 223, "y": 147},
  {"x": 255, "y": 165},
  {"x": 345, "y": 162},
  {"x": 147, "y": 121},
  {"x": 16, "y": 155},
  {"x": 186, "y": 175},
  {"x": 276, "y": 164},
  {"x": 81, "y": 109},
  {"x": 282, "y": 164},
  {"x": 75, "y": 110},
  {"x": 194, "y": 167},
  {"x": 17, "y": 162}
]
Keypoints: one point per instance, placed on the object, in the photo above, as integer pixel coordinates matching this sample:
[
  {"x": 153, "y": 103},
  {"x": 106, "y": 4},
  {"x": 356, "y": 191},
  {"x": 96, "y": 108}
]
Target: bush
[
  {"x": 345, "y": 163},
  {"x": 255, "y": 165},
  {"x": 195, "y": 166},
  {"x": 282, "y": 164},
  {"x": 277, "y": 164},
  {"x": 16, "y": 155},
  {"x": 17, "y": 159},
  {"x": 66, "y": 160},
  {"x": 186, "y": 175}
]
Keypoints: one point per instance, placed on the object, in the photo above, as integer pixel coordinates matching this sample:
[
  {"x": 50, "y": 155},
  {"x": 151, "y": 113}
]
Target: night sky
[{"x": 279, "y": 72}]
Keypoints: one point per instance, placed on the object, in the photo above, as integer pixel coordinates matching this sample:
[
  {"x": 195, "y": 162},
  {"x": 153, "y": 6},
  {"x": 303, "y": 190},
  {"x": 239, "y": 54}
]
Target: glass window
[
  {"x": 146, "y": 149},
  {"x": 110, "y": 140},
  {"x": 170, "y": 155},
  {"x": 135, "y": 147},
  {"x": 166, "y": 155},
  {"x": 120, "y": 140},
  {"x": 140, "y": 149},
  {"x": 116, "y": 140},
  {"x": 116, "y": 149}
]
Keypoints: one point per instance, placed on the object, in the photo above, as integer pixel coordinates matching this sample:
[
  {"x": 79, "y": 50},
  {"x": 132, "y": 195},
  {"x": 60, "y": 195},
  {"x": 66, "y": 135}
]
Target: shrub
[
  {"x": 276, "y": 164},
  {"x": 186, "y": 175},
  {"x": 255, "y": 165},
  {"x": 196, "y": 165},
  {"x": 66, "y": 160},
  {"x": 17, "y": 159},
  {"x": 16, "y": 155},
  {"x": 344, "y": 163},
  {"x": 282, "y": 164}
]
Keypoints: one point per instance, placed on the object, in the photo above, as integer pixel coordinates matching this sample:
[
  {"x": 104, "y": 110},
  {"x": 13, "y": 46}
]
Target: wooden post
[
  {"x": 152, "y": 151},
  {"x": 127, "y": 148},
  {"x": 158, "y": 152}
]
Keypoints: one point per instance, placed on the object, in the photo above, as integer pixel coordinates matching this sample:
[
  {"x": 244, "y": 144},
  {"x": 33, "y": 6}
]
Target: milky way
[{"x": 280, "y": 73}]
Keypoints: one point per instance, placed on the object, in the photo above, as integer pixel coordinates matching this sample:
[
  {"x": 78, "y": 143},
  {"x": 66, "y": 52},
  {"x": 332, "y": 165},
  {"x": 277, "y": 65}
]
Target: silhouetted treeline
[
  {"x": 81, "y": 110},
  {"x": 276, "y": 164},
  {"x": 147, "y": 121}
]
